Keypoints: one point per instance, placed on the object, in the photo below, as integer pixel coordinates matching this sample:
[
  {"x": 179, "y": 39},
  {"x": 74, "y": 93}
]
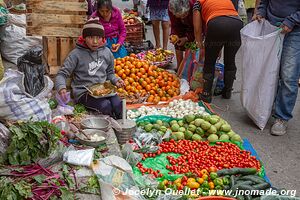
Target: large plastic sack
[
  {"x": 260, "y": 58},
  {"x": 16, "y": 104},
  {"x": 4, "y": 139},
  {"x": 116, "y": 179},
  {"x": 14, "y": 42}
]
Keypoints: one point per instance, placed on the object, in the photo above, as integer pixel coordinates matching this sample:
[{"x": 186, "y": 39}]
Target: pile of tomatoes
[
  {"x": 141, "y": 77},
  {"x": 199, "y": 155}
]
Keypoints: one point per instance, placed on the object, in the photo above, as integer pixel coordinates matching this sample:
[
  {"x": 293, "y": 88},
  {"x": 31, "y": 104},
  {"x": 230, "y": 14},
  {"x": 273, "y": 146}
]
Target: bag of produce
[{"x": 260, "y": 69}]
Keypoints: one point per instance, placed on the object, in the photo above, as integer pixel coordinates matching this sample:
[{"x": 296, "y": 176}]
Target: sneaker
[{"x": 279, "y": 127}]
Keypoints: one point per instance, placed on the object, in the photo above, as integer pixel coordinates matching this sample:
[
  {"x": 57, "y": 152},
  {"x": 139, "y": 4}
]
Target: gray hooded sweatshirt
[{"x": 87, "y": 67}]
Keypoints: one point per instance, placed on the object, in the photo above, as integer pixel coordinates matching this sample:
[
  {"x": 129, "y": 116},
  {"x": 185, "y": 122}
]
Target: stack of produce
[
  {"x": 176, "y": 109},
  {"x": 134, "y": 28},
  {"x": 145, "y": 79},
  {"x": 158, "y": 57},
  {"x": 194, "y": 127}
]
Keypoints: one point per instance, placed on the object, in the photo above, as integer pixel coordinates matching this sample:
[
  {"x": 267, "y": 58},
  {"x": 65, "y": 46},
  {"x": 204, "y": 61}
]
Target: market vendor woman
[
  {"x": 182, "y": 30},
  {"x": 222, "y": 29},
  {"x": 111, "y": 19}
]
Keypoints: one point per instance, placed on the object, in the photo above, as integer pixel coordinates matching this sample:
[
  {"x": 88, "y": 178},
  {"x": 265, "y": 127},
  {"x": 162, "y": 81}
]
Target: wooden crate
[
  {"x": 56, "y": 49},
  {"x": 59, "y": 18}
]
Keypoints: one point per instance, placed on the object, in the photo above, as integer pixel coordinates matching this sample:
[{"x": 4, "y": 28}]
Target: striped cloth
[{"x": 16, "y": 104}]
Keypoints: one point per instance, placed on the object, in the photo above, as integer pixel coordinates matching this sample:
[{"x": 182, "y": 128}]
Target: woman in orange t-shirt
[{"x": 222, "y": 27}]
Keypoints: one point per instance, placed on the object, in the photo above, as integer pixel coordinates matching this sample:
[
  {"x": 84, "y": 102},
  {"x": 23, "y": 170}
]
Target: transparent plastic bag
[
  {"x": 131, "y": 157},
  {"x": 63, "y": 108}
]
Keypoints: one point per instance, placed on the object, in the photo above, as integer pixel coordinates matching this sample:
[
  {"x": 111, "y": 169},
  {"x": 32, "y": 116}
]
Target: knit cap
[{"x": 92, "y": 28}]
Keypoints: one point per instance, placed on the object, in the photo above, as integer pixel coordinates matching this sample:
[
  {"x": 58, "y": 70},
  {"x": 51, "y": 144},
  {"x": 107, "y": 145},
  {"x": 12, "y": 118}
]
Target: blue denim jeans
[{"x": 289, "y": 76}]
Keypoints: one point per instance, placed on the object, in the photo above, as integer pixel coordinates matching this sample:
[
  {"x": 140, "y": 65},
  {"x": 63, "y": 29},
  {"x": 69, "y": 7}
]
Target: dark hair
[{"x": 104, "y": 3}]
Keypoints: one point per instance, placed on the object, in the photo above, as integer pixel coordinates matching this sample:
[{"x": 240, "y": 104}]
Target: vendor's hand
[
  {"x": 63, "y": 94},
  {"x": 120, "y": 83},
  {"x": 200, "y": 44},
  {"x": 257, "y": 17},
  {"x": 182, "y": 41},
  {"x": 115, "y": 47},
  {"x": 285, "y": 29},
  {"x": 173, "y": 39}
]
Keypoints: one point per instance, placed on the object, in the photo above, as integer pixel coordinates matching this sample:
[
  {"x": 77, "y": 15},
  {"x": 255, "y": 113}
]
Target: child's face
[{"x": 94, "y": 42}]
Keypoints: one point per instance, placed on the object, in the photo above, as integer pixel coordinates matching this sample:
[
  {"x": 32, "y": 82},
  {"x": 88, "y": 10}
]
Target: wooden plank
[
  {"x": 37, "y": 19},
  {"x": 50, "y": 50},
  {"x": 54, "y": 31},
  {"x": 42, "y": 6},
  {"x": 65, "y": 48}
]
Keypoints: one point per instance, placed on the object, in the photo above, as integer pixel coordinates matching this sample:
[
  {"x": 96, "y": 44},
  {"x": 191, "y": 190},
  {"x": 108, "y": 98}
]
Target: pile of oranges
[{"x": 141, "y": 77}]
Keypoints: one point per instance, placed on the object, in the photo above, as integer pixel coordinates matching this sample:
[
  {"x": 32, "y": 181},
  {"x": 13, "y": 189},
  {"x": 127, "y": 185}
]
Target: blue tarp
[{"x": 247, "y": 146}]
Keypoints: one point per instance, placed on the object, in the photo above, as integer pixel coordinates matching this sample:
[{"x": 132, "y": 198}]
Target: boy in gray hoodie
[{"x": 90, "y": 62}]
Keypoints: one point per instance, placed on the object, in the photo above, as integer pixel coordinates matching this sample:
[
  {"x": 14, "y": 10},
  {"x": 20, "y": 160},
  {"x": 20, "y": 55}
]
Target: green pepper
[
  {"x": 218, "y": 181},
  {"x": 205, "y": 184},
  {"x": 189, "y": 175},
  {"x": 205, "y": 192},
  {"x": 161, "y": 186},
  {"x": 213, "y": 175},
  {"x": 199, "y": 191},
  {"x": 218, "y": 187},
  {"x": 226, "y": 180}
]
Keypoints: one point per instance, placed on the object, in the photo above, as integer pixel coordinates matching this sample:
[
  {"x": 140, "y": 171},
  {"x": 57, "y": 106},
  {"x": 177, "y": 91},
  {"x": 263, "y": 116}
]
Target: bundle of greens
[
  {"x": 31, "y": 141},
  {"x": 32, "y": 182}
]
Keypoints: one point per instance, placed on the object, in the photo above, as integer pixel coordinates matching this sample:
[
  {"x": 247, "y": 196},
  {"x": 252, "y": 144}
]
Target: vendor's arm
[
  {"x": 262, "y": 8},
  {"x": 122, "y": 29},
  {"x": 65, "y": 72},
  {"x": 110, "y": 71},
  {"x": 197, "y": 21},
  {"x": 292, "y": 20}
]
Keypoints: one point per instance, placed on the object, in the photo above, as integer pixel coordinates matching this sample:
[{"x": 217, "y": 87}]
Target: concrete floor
[{"x": 280, "y": 155}]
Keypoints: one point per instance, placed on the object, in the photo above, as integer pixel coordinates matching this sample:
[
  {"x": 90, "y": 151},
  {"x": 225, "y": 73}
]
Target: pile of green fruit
[{"x": 194, "y": 127}]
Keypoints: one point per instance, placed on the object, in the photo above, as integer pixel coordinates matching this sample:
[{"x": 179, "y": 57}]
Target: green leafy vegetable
[{"x": 31, "y": 141}]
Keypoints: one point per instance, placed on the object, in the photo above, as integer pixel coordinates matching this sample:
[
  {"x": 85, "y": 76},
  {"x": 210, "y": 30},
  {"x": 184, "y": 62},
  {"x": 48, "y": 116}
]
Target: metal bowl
[
  {"x": 89, "y": 132},
  {"x": 95, "y": 123}
]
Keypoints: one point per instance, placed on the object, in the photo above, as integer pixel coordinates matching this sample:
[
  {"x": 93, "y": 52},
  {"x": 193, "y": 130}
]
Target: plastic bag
[
  {"x": 188, "y": 63},
  {"x": 260, "y": 69},
  {"x": 31, "y": 65},
  {"x": 4, "y": 138},
  {"x": 115, "y": 177},
  {"x": 14, "y": 41},
  {"x": 62, "y": 107},
  {"x": 219, "y": 73},
  {"x": 79, "y": 157},
  {"x": 17, "y": 104},
  {"x": 3, "y": 16},
  {"x": 131, "y": 157},
  {"x": 159, "y": 162}
]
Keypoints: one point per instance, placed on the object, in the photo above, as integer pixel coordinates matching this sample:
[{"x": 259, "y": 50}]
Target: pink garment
[{"x": 114, "y": 27}]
